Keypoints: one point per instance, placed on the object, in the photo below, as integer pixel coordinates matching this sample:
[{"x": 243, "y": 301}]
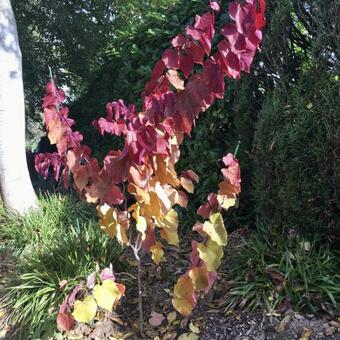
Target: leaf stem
[{"x": 237, "y": 147}]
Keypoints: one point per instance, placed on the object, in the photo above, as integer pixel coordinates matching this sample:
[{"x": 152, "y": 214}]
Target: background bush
[{"x": 296, "y": 184}]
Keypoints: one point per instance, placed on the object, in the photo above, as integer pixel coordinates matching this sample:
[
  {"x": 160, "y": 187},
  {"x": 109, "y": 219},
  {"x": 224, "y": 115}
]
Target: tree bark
[{"x": 15, "y": 185}]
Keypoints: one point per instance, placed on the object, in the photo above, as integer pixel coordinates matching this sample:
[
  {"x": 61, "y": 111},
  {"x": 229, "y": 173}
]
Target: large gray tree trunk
[{"x": 15, "y": 185}]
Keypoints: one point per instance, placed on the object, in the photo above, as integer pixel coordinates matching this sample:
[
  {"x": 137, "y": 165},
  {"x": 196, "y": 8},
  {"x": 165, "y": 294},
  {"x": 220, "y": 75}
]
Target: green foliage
[
  {"x": 62, "y": 242},
  {"x": 44, "y": 33},
  {"x": 297, "y": 157},
  {"x": 278, "y": 271},
  {"x": 56, "y": 213},
  {"x": 296, "y": 148}
]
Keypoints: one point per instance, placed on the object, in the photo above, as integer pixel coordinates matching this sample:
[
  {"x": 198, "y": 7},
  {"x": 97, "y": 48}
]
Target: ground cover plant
[
  {"x": 45, "y": 254},
  {"x": 279, "y": 272},
  {"x": 145, "y": 168}
]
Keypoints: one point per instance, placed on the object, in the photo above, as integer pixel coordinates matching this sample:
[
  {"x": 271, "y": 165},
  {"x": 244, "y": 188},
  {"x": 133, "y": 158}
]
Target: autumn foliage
[{"x": 138, "y": 187}]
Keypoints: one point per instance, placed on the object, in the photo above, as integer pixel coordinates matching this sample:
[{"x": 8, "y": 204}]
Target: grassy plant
[
  {"x": 61, "y": 243},
  {"x": 57, "y": 212},
  {"x": 282, "y": 271}
]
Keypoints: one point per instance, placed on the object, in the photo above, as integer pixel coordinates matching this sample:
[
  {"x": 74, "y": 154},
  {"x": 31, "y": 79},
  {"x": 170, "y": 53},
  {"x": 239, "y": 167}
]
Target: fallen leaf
[
  {"x": 330, "y": 331},
  {"x": 305, "y": 334},
  {"x": 188, "y": 336},
  {"x": 281, "y": 326},
  {"x": 171, "y": 317},
  {"x": 156, "y": 319},
  {"x": 116, "y": 319},
  {"x": 194, "y": 328},
  {"x": 335, "y": 324}
]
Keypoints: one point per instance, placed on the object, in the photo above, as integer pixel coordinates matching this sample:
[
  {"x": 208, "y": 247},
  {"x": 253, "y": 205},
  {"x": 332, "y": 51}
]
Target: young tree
[{"x": 15, "y": 185}]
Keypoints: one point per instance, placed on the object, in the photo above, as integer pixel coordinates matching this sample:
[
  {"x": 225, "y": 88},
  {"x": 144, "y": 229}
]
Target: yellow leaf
[
  {"x": 141, "y": 223},
  {"x": 85, "y": 311},
  {"x": 184, "y": 300},
  {"x": 187, "y": 184},
  {"x": 157, "y": 252},
  {"x": 169, "y": 227},
  {"x": 165, "y": 172},
  {"x": 199, "y": 277},
  {"x": 163, "y": 196},
  {"x": 109, "y": 223},
  {"x": 55, "y": 131},
  {"x": 211, "y": 254},
  {"x": 188, "y": 336},
  {"x": 305, "y": 334},
  {"x": 216, "y": 230},
  {"x": 194, "y": 328},
  {"x": 183, "y": 306},
  {"x": 172, "y": 317},
  {"x": 226, "y": 202},
  {"x": 107, "y": 294},
  {"x": 153, "y": 209},
  {"x": 140, "y": 194}
]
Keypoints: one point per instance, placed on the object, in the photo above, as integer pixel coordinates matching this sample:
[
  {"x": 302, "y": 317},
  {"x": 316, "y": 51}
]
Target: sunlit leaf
[
  {"x": 157, "y": 252},
  {"x": 199, "y": 277},
  {"x": 85, "y": 311},
  {"x": 108, "y": 294},
  {"x": 211, "y": 254},
  {"x": 184, "y": 299},
  {"x": 216, "y": 230}
]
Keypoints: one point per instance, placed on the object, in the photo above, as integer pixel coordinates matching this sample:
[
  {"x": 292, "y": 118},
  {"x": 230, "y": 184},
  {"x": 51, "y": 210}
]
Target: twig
[{"x": 136, "y": 248}]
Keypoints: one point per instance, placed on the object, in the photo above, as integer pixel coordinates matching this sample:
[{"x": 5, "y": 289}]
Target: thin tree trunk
[{"x": 15, "y": 185}]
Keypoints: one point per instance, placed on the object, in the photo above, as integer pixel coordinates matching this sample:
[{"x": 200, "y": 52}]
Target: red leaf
[
  {"x": 232, "y": 172},
  {"x": 107, "y": 274},
  {"x": 200, "y": 91},
  {"x": 195, "y": 52},
  {"x": 65, "y": 322},
  {"x": 193, "y": 33},
  {"x": 187, "y": 106},
  {"x": 213, "y": 75},
  {"x": 179, "y": 40},
  {"x": 116, "y": 164},
  {"x": 186, "y": 64},
  {"x": 176, "y": 81},
  {"x": 230, "y": 59},
  {"x": 260, "y": 20},
  {"x": 103, "y": 190},
  {"x": 158, "y": 70},
  {"x": 211, "y": 206},
  {"x": 171, "y": 58},
  {"x": 215, "y": 6},
  {"x": 204, "y": 22}
]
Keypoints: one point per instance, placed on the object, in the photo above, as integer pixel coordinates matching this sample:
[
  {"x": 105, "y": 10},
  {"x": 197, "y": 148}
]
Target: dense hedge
[
  {"x": 297, "y": 156},
  {"x": 297, "y": 150}
]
